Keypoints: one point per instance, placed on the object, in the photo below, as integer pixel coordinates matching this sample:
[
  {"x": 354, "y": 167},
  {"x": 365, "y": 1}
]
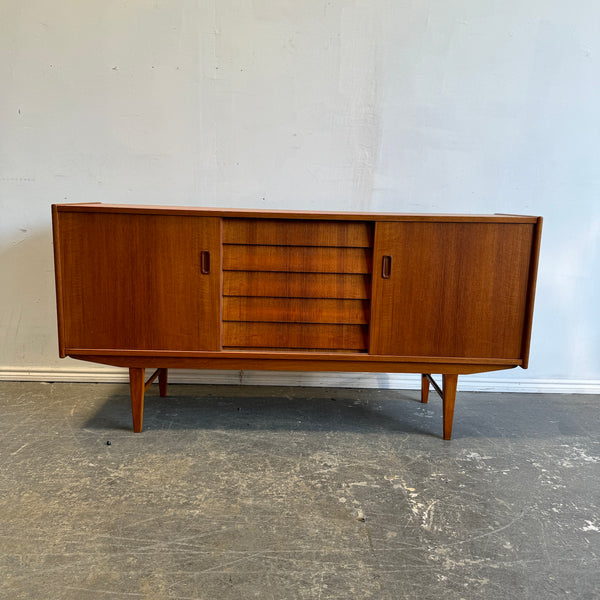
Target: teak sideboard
[{"x": 166, "y": 287}]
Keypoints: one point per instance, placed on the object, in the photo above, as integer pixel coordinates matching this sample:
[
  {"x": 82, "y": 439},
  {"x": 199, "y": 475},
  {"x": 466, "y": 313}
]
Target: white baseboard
[{"x": 473, "y": 383}]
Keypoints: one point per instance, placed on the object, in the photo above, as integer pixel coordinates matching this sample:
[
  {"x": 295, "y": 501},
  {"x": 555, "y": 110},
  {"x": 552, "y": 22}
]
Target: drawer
[
  {"x": 295, "y": 335},
  {"x": 300, "y": 259},
  {"x": 284, "y": 232},
  {"x": 296, "y": 285},
  {"x": 296, "y": 310}
]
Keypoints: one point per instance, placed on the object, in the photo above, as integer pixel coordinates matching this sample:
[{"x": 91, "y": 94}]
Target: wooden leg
[
  {"x": 162, "y": 381},
  {"x": 424, "y": 389},
  {"x": 137, "y": 387},
  {"x": 449, "y": 387}
]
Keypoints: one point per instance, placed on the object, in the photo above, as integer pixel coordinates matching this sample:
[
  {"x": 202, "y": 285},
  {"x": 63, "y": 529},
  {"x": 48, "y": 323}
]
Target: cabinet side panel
[
  {"x": 134, "y": 281},
  {"x": 456, "y": 289},
  {"x": 58, "y": 280},
  {"x": 533, "y": 269}
]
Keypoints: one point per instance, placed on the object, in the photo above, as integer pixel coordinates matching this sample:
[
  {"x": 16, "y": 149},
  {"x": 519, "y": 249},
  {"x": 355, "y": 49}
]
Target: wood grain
[
  {"x": 424, "y": 389},
  {"x": 291, "y": 215},
  {"x": 533, "y": 270},
  {"x": 300, "y": 360},
  {"x": 137, "y": 389},
  {"x": 266, "y": 354},
  {"x": 449, "y": 387},
  {"x": 296, "y": 285},
  {"x": 294, "y": 335},
  {"x": 58, "y": 281},
  {"x": 163, "y": 381},
  {"x": 134, "y": 281},
  {"x": 300, "y": 259},
  {"x": 456, "y": 289},
  {"x": 273, "y": 232},
  {"x": 296, "y": 310}
]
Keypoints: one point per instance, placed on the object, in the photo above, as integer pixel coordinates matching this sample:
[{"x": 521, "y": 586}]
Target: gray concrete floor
[{"x": 296, "y": 493}]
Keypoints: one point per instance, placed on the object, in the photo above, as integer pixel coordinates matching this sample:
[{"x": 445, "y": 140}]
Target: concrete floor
[{"x": 296, "y": 493}]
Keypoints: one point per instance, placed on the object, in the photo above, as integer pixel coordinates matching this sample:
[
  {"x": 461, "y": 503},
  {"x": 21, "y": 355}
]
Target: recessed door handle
[
  {"x": 386, "y": 267},
  {"x": 205, "y": 262}
]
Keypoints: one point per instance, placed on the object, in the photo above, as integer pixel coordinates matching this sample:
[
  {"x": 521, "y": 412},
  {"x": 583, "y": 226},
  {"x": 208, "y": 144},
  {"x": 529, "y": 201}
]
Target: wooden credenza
[{"x": 165, "y": 287}]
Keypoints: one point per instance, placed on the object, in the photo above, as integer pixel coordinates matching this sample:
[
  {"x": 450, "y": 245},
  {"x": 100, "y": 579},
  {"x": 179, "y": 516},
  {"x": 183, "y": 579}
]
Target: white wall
[{"x": 387, "y": 105}]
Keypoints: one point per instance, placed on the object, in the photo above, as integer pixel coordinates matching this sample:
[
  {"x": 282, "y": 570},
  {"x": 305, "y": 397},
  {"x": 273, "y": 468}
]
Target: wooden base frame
[
  {"x": 450, "y": 368},
  {"x": 138, "y": 387}
]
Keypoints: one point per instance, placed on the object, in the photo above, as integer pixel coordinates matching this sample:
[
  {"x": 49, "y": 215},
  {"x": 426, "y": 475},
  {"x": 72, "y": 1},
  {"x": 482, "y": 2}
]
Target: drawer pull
[
  {"x": 386, "y": 267},
  {"x": 205, "y": 262}
]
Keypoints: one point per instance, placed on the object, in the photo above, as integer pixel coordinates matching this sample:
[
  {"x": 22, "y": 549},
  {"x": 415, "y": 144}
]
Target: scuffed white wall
[{"x": 413, "y": 105}]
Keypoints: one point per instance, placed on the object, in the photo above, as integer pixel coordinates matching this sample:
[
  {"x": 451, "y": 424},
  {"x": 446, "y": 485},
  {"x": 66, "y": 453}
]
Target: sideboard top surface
[{"x": 98, "y": 207}]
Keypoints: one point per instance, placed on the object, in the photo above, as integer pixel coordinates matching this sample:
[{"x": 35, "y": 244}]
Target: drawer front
[
  {"x": 292, "y": 232},
  {"x": 296, "y": 259},
  {"x": 296, "y": 285},
  {"x": 290, "y": 284},
  {"x": 295, "y": 336},
  {"x": 296, "y": 310}
]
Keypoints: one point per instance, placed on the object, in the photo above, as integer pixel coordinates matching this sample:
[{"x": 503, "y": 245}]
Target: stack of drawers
[{"x": 296, "y": 284}]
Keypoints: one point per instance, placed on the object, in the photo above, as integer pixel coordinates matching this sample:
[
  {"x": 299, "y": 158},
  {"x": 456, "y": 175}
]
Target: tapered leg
[
  {"x": 162, "y": 381},
  {"x": 424, "y": 389},
  {"x": 137, "y": 387},
  {"x": 449, "y": 386}
]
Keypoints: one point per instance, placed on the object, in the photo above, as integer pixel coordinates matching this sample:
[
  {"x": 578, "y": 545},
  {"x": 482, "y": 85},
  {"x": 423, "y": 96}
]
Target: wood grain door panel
[
  {"x": 454, "y": 290},
  {"x": 134, "y": 281}
]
